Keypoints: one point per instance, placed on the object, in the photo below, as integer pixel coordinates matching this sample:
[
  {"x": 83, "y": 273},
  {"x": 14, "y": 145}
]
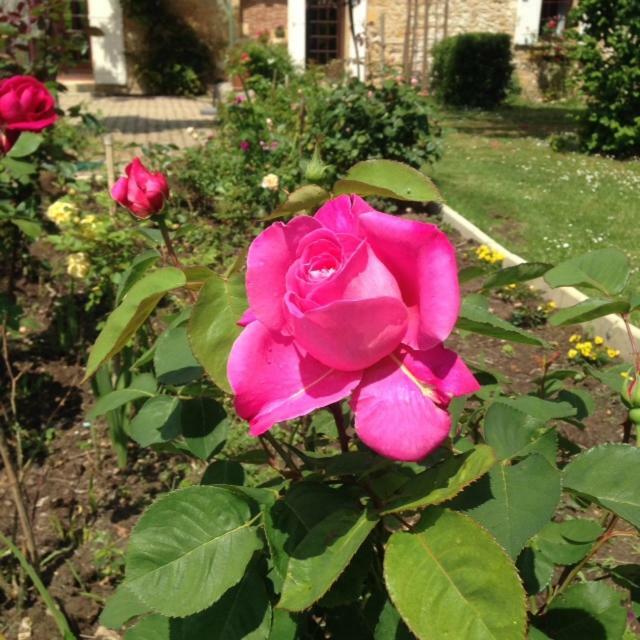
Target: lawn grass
[{"x": 499, "y": 171}]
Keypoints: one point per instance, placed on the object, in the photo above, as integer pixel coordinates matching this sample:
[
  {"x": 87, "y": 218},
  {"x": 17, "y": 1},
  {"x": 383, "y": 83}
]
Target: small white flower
[{"x": 271, "y": 182}]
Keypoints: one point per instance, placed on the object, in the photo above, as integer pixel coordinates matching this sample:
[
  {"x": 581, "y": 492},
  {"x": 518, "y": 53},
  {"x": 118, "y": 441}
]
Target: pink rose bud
[
  {"x": 143, "y": 192},
  {"x": 352, "y": 302},
  {"x": 25, "y": 105}
]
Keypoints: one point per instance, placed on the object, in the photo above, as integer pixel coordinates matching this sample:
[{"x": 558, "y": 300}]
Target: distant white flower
[{"x": 271, "y": 182}]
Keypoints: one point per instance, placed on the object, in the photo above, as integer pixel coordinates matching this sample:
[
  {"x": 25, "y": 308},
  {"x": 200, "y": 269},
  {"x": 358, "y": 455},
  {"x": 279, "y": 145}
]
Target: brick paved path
[{"x": 147, "y": 119}]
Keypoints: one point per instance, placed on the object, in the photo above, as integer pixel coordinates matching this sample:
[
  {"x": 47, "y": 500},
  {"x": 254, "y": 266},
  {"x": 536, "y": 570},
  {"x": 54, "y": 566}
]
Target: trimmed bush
[
  {"x": 472, "y": 69},
  {"x": 609, "y": 57}
]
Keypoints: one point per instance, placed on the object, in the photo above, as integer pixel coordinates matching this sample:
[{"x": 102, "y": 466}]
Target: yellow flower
[
  {"x": 625, "y": 374},
  {"x": 512, "y": 286},
  {"x": 78, "y": 265},
  {"x": 613, "y": 353},
  {"x": 89, "y": 224},
  {"x": 575, "y": 338},
  {"x": 599, "y": 340},
  {"x": 571, "y": 354},
  {"x": 551, "y": 305},
  {"x": 61, "y": 212},
  {"x": 271, "y": 182},
  {"x": 487, "y": 254},
  {"x": 585, "y": 349}
]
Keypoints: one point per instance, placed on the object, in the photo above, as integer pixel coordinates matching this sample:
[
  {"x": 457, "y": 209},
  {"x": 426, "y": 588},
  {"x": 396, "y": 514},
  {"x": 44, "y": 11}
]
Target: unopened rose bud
[{"x": 141, "y": 191}]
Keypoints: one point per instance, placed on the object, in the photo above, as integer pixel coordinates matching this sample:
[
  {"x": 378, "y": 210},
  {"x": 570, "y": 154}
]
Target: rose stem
[{"x": 342, "y": 432}]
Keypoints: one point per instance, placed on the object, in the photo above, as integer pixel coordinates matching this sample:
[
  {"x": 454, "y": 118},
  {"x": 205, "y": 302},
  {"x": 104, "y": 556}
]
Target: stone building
[{"x": 394, "y": 32}]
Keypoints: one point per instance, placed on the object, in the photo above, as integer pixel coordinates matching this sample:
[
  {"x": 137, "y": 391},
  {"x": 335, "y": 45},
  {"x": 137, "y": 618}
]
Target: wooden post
[
  {"x": 425, "y": 47},
  {"x": 383, "y": 45},
  {"x": 111, "y": 173}
]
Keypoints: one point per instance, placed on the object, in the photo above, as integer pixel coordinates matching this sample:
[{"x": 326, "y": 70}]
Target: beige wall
[{"x": 463, "y": 16}]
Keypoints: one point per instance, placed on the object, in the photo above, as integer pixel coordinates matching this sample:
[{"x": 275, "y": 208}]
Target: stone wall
[
  {"x": 387, "y": 25},
  {"x": 258, "y": 16}
]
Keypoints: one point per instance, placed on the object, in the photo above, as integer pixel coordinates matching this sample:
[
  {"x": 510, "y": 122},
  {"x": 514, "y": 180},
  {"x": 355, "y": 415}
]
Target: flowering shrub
[{"x": 432, "y": 504}]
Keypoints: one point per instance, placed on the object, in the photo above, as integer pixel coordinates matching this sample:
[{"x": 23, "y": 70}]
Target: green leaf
[
  {"x": 588, "y": 310},
  {"x": 609, "y": 475},
  {"x": 140, "y": 265},
  {"x": 289, "y": 520},
  {"x": 150, "y": 628},
  {"x": 173, "y": 360},
  {"x": 536, "y": 569},
  {"x": 442, "y": 482},
  {"x": 189, "y": 548},
  {"x": 30, "y": 228},
  {"x": 390, "y": 625},
  {"x": 475, "y": 317},
  {"x": 223, "y": 472},
  {"x": 467, "y": 274},
  {"x": 116, "y": 399},
  {"x": 158, "y": 420},
  {"x": 557, "y": 540},
  {"x": 135, "y": 308},
  {"x": 588, "y": 610},
  {"x": 305, "y": 198},
  {"x": 389, "y": 179},
  {"x": 121, "y": 607},
  {"x": 322, "y": 555},
  {"x": 27, "y": 143},
  {"x": 243, "y": 613},
  {"x": 518, "y": 273},
  {"x": 19, "y": 169},
  {"x": 515, "y": 434},
  {"x": 213, "y": 327},
  {"x": 543, "y": 410},
  {"x": 449, "y": 579},
  {"x": 515, "y": 501},
  {"x": 204, "y": 426},
  {"x": 284, "y": 626},
  {"x": 604, "y": 269}
]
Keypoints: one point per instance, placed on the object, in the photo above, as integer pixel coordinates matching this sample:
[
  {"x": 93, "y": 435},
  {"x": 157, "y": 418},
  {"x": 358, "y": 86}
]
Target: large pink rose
[
  {"x": 25, "y": 105},
  {"x": 352, "y": 301},
  {"x": 141, "y": 191}
]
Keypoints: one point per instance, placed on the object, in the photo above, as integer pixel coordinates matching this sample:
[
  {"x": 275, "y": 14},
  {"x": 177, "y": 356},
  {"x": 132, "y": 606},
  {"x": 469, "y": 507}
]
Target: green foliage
[
  {"x": 446, "y": 595},
  {"x": 608, "y": 61},
  {"x": 254, "y": 61},
  {"x": 472, "y": 69}
]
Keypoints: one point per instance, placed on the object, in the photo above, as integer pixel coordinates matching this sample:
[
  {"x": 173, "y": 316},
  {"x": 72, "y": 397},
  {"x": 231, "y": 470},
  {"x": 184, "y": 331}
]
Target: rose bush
[
  {"x": 141, "y": 191},
  {"x": 355, "y": 301}
]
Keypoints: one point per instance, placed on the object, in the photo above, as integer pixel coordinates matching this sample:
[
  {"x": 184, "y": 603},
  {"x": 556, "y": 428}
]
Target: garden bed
[{"x": 83, "y": 507}]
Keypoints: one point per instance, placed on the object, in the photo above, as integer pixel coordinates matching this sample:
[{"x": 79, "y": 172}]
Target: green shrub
[
  {"x": 609, "y": 58},
  {"x": 354, "y": 121},
  {"x": 472, "y": 69},
  {"x": 258, "y": 60}
]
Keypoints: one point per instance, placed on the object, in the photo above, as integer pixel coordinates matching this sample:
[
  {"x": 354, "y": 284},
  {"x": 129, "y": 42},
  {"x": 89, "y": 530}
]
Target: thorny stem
[
  {"x": 167, "y": 241},
  {"x": 5, "y": 455},
  {"x": 338, "y": 416},
  {"x": 607, "y": 535},
  {"x": 18, "y": 498},
  {"x": 288, "y": 460}
]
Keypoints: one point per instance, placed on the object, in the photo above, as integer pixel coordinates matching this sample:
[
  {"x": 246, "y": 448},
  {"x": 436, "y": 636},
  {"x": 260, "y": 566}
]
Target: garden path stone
[{"x": 143, "y": 120}]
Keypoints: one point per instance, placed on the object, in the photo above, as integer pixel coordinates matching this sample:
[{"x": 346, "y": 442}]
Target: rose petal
[
  {"x": 423, "y": 261},
  {"x": 349, "y": 334},
  {"x": 246, "y": 318},
  {"x": 274, "y": 380},
  {"x": 119, "y": 192},
  {"x": 443, "y": 369},
  {"x": 395, "y": 414},
  {"x": 269, "y": 258},
  {"x": 341, "y": 214}
]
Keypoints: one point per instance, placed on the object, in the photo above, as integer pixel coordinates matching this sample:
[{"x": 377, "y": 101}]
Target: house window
[
  {"x": 553, "y": 16},
  {"x": 324, "y": 18}
]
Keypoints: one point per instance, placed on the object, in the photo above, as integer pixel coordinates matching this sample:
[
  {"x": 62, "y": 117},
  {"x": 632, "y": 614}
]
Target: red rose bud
[
  {"x": 7, "y": 140},
  {"x": 25, "y": 105},
  {"x": 143, "y": 192}
]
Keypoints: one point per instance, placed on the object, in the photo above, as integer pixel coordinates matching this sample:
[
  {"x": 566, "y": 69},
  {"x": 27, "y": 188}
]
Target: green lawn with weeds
[{"x": 499, "y": 171}]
